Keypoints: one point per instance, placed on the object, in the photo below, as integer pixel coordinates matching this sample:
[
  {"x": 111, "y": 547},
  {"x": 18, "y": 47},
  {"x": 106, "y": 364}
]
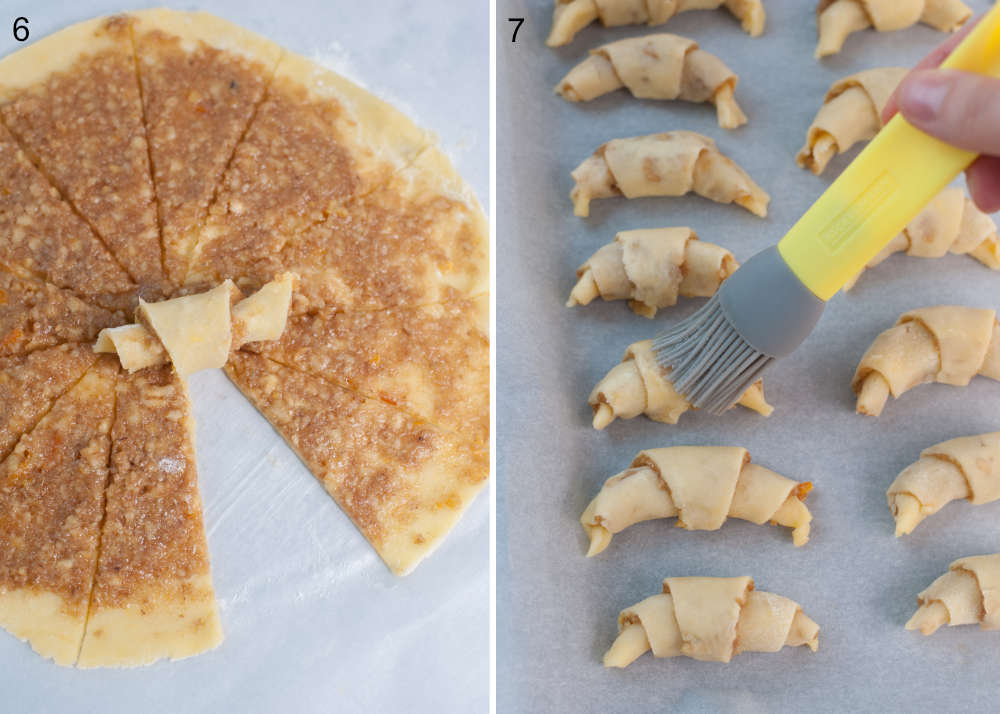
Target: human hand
[{"x": 961, "y": 108}]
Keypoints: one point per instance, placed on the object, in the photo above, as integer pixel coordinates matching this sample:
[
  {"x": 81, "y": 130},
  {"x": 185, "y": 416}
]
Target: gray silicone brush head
[{"x": 761, "y": 312}]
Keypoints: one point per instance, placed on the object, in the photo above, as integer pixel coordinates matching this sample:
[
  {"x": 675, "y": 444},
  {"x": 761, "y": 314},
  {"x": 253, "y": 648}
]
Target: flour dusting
[
  {"x": 338, "y": 59},
  {"x": 171, "y": 465}
]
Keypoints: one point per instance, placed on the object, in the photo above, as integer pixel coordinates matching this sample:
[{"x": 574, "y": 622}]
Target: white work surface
[
  {"x": 557, "y": 609},
  {"x": 313, "y": 620}
]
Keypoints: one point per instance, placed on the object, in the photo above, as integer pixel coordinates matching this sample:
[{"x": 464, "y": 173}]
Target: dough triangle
[
  {"x": 30, "y": 383},
  {"x": 35, "y": 314},
  {"x": 153, "y": 595},
  {"x": 41, "y": 236},
  {"x": 424, "y": 230},
  {"x": 431, "y": 361},
  {"x": 403, "y": 482},
  {"x": 51, "y": 496},
  {"x": 202, "y": 79},
  {"x": 316, "y": 141},
  {"x": 72, "y": 101}
]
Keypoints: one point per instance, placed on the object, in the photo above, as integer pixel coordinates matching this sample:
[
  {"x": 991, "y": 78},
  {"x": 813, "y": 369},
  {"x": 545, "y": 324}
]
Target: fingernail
[
  {"x": 970, "y": 183},
  {"x": 922, "y": 96}
]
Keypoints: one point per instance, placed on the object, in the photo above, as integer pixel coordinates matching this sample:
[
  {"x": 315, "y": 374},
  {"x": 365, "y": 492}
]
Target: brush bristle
[{"x": 710, "y": 363}]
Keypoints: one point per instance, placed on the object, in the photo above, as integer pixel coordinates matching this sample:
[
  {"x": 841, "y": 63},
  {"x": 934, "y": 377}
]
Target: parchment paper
[
  {"x": 556, "y": 609},
  {"x": 313, "y": 621}
]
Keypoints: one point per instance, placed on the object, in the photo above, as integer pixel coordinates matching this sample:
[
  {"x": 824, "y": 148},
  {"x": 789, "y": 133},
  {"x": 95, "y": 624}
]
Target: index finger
[{"x": 932, "y": 60}]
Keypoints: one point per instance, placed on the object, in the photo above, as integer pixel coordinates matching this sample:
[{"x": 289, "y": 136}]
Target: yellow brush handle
[{"x": 889, "y": 183}]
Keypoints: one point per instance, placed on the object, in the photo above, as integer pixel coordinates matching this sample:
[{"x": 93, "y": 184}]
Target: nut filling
[{"x": 84, "y": 126}]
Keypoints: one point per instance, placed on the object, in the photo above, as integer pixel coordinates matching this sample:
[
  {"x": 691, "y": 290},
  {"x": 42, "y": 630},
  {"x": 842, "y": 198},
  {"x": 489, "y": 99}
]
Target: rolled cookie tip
[
  {"x": 603, "y": 415},
  {"x": 928, "y": 618}
]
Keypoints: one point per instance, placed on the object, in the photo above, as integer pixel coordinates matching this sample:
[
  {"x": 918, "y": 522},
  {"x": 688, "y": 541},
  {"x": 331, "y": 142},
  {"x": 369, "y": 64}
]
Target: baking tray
[
  {"x": 557, "y": 609},
  {"x": 313, "y": 620}
]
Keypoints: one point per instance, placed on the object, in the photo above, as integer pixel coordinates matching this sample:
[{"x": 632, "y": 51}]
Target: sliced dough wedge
[
  {"x": 661, "y": 66},
  {"x": 951, "y": 223},
  {"x": 966, "y": 467},
  {"x": 35, "y": 315},
  {"x": 30, "y": 384},
  {"x": 41, "y": 236},
  {"x": 669, "y": 164},
  {"x": 639, "y": 386},
  {"x": 949, "y": 344},
  {"x": 152, "y": 595},
  {"x": 202, "y": 80},
  {"x": 403, "y": 482},
  {"x": 421, "y": 238},
  {"x": 965, "y": 595},
  {"x": 571, "y": 16},
  {"x": 51, "y": 497},
  {"x": 710, "y": 619},
  {"x": 652, "y": 267},
  {"x": 316, "y": 141},
  {"x": 836, "y": 19},
  {"x": 701, "y": 486},
  {"x": 85, "y": 76},
  {"x": 432, "y": 361},
  {"x": 851, "y": 112}
]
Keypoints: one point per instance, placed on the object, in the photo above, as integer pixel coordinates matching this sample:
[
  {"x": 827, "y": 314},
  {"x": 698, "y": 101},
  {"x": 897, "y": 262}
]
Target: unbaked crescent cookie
[
  {"x": 965, "y": 595},
  {"x": 967, "y": 467},
  {"x": 710, "y": 619},
  {"x": 571, "y": 16},
  {"x": 836, "y": 19},
  {"x": 638, "y": 385},
  {"x": 662, "y": 66},
  {"x": 669, "y": 164},
  {"x": 949, "y": 344},
  {"x": 701, "y": 486},
  {"x": 652, "y": 267},
  {"x": 851, "y": 112},
  {"x": 951, "y": 223}
]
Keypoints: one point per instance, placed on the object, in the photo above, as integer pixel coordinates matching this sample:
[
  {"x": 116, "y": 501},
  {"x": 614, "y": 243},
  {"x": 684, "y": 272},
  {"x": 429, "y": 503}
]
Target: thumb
[{"x": 960, "y": 108}]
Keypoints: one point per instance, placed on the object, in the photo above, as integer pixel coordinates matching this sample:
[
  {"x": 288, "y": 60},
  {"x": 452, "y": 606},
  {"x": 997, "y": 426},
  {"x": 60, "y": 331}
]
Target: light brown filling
[
  {"x": 51, "y": 489},
  {"x": 197, "y": 106},
  {"x": 432, "y": 361},
  {"x": 153, "y": 532},
  {"x": 285, "y": 175},
  {"x": 360, "y": 449},
  {"x": 85, "y": 127},
  {"x": 384, "y": 249},
  {"x": 32, "y": 214},
  {"x": 30, "y": 383},
  {"x": 34, "y": 314}
]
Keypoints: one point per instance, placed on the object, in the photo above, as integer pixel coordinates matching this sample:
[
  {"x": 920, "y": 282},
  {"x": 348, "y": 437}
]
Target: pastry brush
[{"x": 767, "y": 307}]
